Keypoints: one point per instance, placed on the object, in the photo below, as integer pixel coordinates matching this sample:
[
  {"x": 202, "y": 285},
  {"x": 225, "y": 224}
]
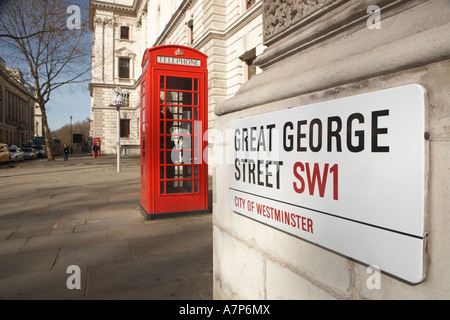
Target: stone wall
[{"x": 320, "y": 51}]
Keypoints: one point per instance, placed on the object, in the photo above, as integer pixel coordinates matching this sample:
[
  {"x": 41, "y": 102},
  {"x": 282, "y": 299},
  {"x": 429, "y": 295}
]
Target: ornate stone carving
[{"x": 279, "y": 15}]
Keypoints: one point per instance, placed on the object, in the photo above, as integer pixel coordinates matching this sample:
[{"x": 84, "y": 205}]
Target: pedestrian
[
  {"x": 66, "y": 152},
  {"x": 95, "y": 149}
]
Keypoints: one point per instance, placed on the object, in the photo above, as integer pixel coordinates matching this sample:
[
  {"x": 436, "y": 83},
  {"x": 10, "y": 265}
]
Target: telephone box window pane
[
  {"x": 170, "y": 172},
  {"x": 187, "y": 172},
  {"x": 195, "y": 156},
  {"x": 180, "y": 186},
  {"x": 161, "y": 172},
  {"x": 178, "y": 98},
  {"x": 178, "y": 83},
  {"x": 195, "y": 99},
  {"x": 196, "y": 172},
  {"x": 187, "y": 98},
  {"x": 196, "y": 127},
  {"x": 161, "y": 86},
  {"x": 173, "y": 97},
  {"x": 196, "y": 186},
  {"x": 180, "y": 127},
  {"x": 173, "y": 156},
  {"x": 187, "y": 114},
  {"x": 195, "y": 84},
  {"x": 188, "y": 186},
  {"x": 161, "y": 97},
  {"x": 162, "y": 187},
  {"x": 181, "y": 113}
]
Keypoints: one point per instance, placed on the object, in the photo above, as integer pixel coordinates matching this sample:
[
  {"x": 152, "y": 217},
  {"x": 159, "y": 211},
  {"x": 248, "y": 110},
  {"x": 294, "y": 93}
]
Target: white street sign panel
[{"x": 347, "y": 174}]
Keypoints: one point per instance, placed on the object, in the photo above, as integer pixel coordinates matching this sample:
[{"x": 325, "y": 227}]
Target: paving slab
[
  {"x": 84, "y": 213},
  {"x": 88, "y": 255},
  {"x": 27, "y": 231},
  {"x": 25, "y": 262},
  {"x": 64, "y": 240},
  {"x": 43, "y": 285},
  {"x": 149, "y": 272},
  {"x": 10, "y": 246}
]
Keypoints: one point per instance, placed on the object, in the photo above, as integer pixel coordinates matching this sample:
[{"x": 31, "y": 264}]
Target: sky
[
  {"x": 66, "y": 102},
  {"x": 69, "y": 100}
]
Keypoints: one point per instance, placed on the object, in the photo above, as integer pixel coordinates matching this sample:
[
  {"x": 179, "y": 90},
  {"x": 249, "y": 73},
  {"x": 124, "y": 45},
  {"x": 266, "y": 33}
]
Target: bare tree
[{"x": 37, "y": 33}]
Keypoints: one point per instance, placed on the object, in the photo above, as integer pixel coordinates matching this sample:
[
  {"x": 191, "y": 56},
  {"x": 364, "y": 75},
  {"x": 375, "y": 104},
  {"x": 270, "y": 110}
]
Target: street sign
[{"x": 348, "y": 174}]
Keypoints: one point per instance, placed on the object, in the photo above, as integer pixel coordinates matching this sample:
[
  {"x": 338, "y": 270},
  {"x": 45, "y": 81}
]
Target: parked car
[
  {"x": 29, "y": 153},
  {"x": 16, "y": 154},
  {"x": 4, "y": 153},
  {"x": 41, "y": 151}
]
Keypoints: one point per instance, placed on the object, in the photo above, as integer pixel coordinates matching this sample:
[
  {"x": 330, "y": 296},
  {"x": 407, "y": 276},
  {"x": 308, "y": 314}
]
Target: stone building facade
[
  {"x": 17, "y": 104},
  {"x": 229, "y": 32},
  {"x": 319, "y": 53}
]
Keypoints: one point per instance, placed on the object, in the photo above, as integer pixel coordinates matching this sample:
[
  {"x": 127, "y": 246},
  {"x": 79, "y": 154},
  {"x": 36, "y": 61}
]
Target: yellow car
[{"x": 4, "y": 153}]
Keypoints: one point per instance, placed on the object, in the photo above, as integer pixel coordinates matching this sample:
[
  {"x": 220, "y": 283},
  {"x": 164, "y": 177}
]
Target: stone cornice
[
  {"x": 12, "y": 81},
  {"x": 246, "y": 17},
  {"x": 281, "y": 16},
  {"x": 176, "y": 17},
  {"x": 109, "y": 6},
  {"x": 133, "y": 86},
  {"x": 350, "y": 55},
  {"x": 321, "y": 24}
]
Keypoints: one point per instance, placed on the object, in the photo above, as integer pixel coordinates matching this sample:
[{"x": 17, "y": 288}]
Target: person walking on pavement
[
  {"x": 95, "y": 149},
  {"x": 66, "y": 152}
]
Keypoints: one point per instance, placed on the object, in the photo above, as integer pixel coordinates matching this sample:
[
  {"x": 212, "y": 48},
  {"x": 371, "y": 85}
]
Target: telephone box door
[{"x": 175, "y": 174}]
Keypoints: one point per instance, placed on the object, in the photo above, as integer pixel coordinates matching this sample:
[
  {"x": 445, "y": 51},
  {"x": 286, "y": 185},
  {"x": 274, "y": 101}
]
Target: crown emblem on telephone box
[{"x": 178, "y": 52}]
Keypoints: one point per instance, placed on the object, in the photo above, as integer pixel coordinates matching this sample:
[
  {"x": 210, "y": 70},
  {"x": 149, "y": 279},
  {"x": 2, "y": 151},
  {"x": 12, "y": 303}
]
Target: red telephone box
[
  {"x": 98, "y": 142},
  {"x": 174, "y": 111}
]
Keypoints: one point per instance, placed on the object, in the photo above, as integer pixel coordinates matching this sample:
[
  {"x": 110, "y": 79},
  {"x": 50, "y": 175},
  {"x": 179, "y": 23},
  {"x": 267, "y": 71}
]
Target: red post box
[
  {"x": 97, "y": 142},
  {"x": 174, "y": 111}
]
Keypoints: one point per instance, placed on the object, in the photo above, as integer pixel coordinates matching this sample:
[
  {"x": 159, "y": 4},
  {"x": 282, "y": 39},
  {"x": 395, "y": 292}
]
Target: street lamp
[
  {"x": 117, "y": 103},
  {"x": 71, "y": 135}
]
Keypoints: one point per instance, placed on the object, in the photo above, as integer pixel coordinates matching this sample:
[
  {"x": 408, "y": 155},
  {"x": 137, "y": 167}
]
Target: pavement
[{"x": 73, "y": 230}]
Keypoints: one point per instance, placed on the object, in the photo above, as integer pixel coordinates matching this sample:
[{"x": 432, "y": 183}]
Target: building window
[
  {"x": 251, "y": 68},
  {"x": 124, "y": 68},
  {"x": 124, "y": 128},
  {"x": 124, "y": 33},
  {"x": 249, "y": 3},
  {"x": 249, "y": 57}
]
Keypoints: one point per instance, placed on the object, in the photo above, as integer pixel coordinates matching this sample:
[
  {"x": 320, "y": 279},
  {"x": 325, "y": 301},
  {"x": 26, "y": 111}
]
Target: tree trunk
[{"x": 48, "y": 144}]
